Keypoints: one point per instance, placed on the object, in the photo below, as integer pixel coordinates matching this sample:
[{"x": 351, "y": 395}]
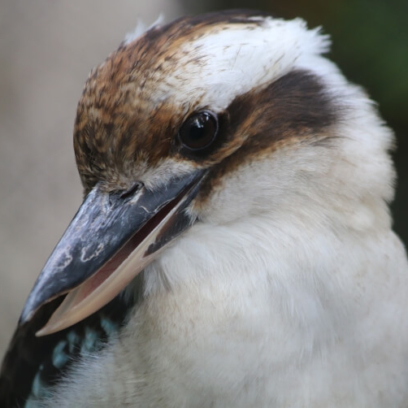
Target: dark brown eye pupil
[{"x": 199, "y": 130}]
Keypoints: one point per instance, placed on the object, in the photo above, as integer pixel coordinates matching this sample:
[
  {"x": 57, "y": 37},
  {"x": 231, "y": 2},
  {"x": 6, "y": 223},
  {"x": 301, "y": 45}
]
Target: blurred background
[{"x": 47, "y": 48}]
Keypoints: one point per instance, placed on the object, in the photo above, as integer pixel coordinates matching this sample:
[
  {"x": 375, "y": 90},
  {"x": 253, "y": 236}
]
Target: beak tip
[
  {"x": 26, "y": 314},
  {"x": 34, "y": 301},
  {"x": 45, "y": 331}
]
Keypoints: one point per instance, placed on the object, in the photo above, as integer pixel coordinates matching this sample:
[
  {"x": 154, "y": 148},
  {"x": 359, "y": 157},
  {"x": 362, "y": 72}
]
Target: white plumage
[{"x": 292, "y": 289}]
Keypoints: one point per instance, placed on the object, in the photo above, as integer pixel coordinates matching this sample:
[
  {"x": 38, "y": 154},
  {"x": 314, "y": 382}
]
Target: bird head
[{"x": 210, "y": 119}]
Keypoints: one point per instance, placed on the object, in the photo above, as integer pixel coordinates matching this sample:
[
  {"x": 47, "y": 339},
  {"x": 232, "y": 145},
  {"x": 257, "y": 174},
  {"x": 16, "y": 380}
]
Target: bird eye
[{"x": 199, "y": 130}]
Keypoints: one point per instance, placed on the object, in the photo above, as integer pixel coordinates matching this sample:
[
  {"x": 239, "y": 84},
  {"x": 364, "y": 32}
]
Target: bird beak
[{"x": 111, "y": 239}]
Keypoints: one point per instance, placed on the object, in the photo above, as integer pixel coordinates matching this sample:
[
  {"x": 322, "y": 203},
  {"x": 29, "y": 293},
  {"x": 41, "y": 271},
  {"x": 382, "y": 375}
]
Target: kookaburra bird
[{"x": 234, "y": 247}]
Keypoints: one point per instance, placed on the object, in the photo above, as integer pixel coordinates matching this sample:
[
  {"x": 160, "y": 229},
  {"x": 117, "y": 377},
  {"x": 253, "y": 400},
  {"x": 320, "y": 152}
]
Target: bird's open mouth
[
  {"x": 109, "y": 241},
  {"x": 147, "y": 230}
]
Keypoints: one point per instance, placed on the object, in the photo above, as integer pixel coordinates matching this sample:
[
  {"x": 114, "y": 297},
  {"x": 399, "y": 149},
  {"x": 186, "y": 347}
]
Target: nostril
[{"x": 132, "y": 190}]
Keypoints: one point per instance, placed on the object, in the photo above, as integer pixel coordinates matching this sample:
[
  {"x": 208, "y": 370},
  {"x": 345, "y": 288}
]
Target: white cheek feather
[
  {"x": 163, "y": 172},
  {"x": 351, "y": 181}
]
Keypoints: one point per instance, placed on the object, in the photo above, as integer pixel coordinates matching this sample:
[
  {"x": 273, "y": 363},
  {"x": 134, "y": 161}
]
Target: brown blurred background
[{"x": 47, "y": 48}]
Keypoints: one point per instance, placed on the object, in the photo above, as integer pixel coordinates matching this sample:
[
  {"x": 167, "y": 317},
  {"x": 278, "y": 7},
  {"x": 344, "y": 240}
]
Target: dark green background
[{"x": 370, "y": 45}]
